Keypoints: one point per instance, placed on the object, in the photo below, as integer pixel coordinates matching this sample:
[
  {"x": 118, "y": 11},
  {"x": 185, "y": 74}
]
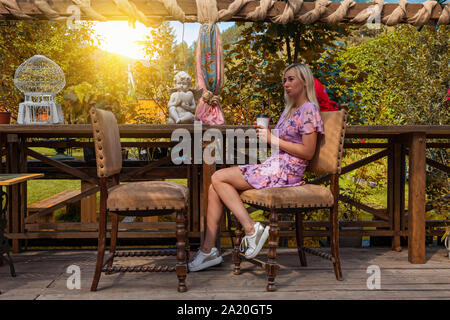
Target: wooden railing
[{"x": 394, "y": 221}]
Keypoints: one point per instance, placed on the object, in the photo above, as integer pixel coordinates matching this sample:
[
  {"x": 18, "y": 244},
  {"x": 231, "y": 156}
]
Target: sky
[{"x": 121, "y": 38}]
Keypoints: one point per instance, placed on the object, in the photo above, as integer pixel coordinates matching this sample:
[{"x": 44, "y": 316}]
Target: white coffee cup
[{"x": 263, "y": 120}]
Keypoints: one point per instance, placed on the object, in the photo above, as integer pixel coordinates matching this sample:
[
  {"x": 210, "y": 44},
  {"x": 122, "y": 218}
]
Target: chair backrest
[
  {"x": 330, "y": 145},
  {"x": 107, "y": 142}
]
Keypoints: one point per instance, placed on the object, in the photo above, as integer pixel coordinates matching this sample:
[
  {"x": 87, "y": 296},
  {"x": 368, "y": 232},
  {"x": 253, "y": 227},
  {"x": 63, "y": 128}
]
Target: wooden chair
[
  {"x": 147, "y": 198},
  {"x": 327, "y": 159}
]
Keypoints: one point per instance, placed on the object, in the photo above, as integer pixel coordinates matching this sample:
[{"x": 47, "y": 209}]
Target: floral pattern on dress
[{"x": 284, "y": 169}]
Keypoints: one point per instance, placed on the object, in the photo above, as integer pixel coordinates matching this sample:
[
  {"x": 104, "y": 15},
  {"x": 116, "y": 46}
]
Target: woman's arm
[{"x": 304, "y": 150}]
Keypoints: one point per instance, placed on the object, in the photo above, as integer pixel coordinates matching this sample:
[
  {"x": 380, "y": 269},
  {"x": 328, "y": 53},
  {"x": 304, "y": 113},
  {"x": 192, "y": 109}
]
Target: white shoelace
[{"x": 244, "y": 244}]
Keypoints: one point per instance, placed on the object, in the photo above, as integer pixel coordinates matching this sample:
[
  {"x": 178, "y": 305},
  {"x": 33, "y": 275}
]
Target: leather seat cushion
[
  {"x": 306, "y": 196},
  {"x": 147, "y": 195}
]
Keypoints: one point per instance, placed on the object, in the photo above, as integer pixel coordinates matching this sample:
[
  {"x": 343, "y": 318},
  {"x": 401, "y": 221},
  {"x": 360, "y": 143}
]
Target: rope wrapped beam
[{"x": 150, "y": 12}]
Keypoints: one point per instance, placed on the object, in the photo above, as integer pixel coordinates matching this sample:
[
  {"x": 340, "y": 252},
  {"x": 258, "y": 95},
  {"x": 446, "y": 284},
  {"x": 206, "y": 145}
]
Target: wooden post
[
  {"x": 88, "y": 204},
  {"x": 194, "y": 189},
  {"x": 416, "y": 203},
  {"x": 14, "y": 191},
  {"x": 396, "y": 190}
]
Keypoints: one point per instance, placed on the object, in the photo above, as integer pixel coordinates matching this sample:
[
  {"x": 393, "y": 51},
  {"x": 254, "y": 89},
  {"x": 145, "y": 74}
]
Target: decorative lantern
[{"x": 40, "y": 79}]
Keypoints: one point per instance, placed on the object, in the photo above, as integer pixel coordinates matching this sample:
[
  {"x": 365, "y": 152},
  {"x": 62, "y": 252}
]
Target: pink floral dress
[{"x": 284, "y": 169}]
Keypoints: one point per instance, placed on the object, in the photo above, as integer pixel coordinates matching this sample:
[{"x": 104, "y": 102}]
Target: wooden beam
[
  {"x": 63, "y": 167},
  {"x": 416, "y": 203},
  {"x": 438, "y": 165},
  {"x": 152, "y": 8},
  {"x": 379, "y": 213}
]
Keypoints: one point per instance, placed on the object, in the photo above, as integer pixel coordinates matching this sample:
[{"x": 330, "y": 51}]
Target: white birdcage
[{"x": 40, "y": 79}]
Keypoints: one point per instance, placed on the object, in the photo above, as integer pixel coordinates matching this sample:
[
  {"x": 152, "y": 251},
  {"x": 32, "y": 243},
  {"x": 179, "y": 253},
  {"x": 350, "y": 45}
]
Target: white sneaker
[
  {"x": 253, "y": 244},
  {"x": 205, "y": 260}
]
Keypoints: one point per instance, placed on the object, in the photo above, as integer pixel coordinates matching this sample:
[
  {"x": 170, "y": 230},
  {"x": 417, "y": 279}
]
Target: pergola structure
[
  {"x": 153, "y": 12},
  {"x": 402, "y": 140}
]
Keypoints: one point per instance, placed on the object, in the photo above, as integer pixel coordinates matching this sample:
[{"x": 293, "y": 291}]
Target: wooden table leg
[
  {"x": 416, "y": 202},
  {"x": 14, "y": 196},
  {"x": 88, "y": 204},
  {"x": 396, "y": 190}
]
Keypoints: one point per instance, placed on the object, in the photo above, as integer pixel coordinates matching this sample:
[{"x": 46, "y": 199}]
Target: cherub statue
[{"x": 182, "y": 100}]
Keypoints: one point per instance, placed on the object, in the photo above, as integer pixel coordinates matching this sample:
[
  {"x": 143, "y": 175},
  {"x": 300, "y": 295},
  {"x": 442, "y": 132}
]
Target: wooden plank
[
  {"x": 379, "y": 213},
  {"x": 165, "y": 131},
  {"x": 91, "y": 235},
  {"x": 399, "y": 192},
  {"x": 438, "y": 165},
  {"x": 62, "y": 166},
  {"x": 151, "y": 219},
  {"x": 52, "y": 200},
  {"x": 353, "y": 166},
  {"x": 367, "y": 145},
  {"x": 195, "y": 198},
  {"x": 23, "y": 186},
  {"x": 92, "y": 226},
  {"x": 145, "y": 169},
  {"x": 13, "y": 191},
  {"x": 65, "y": 226},
  {"x": 61, "y": 204},
  {"x": 88, "y": 204},
  {"x": 11, "y": 179},
  {"x": 416, "y": 203},
  {"x": 78, "y": 144}
]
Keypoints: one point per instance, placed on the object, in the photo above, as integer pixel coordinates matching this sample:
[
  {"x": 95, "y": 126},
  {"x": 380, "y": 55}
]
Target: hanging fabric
[{"x": 209, "y": 65}]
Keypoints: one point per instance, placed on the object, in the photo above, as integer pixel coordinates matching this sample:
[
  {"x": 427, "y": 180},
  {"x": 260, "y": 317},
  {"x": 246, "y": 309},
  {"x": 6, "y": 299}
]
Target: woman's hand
[{"x": 263, "y": 133}]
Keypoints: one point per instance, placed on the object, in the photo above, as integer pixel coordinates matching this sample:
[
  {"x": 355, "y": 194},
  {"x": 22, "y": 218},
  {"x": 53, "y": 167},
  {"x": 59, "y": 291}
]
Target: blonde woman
[{"x": 297, "y": 128}]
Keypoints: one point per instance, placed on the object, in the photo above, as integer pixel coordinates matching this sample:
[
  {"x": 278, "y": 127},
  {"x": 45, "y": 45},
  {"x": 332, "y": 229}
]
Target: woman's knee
[
  {"x": 218, "y": 177},
  {"x": 212, "y": 194}
]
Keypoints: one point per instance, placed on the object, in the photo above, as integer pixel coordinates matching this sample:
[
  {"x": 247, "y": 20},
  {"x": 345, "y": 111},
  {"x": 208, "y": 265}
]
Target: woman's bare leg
[
  {"x": 214, "y": 214},
  {"x": 227, "y": 182}
]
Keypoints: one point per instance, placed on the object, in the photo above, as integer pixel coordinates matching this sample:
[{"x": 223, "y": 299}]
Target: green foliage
[
  {"x": 255, "y": 60},
  {"x": 155, "y": 76},
  {"x": 70, "y": 49},
  {"x": 398, "y": 77}
]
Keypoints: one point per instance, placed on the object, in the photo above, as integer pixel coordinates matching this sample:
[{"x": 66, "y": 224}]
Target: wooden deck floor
[{"x": 42, "y": 275}]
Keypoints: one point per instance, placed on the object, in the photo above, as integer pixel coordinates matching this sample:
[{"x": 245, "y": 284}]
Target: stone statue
[{"x": 182, "y": 100}]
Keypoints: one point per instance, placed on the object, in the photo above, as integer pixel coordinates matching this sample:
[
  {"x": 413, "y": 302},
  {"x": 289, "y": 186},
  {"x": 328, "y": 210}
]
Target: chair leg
[
  {"x": 100, "y": 250},
  {"x": 334, "y": 236},
  {"x": 114, "y": 231},
  {"x": 229, "y": 224},
  {"x": 187, "y": 246},
  {"x": 236, "y": 256},
  {"x": 181, "y": 267},
  {"x": 299, "y": 236},
  {"x": 272, "y": 266}
]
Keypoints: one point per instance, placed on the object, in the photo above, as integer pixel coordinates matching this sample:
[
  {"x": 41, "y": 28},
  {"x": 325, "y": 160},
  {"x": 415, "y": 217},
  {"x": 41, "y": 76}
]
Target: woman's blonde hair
[{"x": 303, "y": 72}]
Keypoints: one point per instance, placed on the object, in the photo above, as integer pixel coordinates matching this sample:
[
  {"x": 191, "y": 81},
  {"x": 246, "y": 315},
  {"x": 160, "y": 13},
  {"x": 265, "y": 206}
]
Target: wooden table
[
  {"x": 9, "y": 180},
  {"x": 409, "y": 140}
]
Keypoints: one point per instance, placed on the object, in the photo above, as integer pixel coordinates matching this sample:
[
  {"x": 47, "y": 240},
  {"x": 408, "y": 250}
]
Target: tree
[
  {"x": 154, "y": 76},
  {"x": 400, "y": 77},
  {"x": 255, "y": 61},
  {"x": 70, "y": 49}
]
